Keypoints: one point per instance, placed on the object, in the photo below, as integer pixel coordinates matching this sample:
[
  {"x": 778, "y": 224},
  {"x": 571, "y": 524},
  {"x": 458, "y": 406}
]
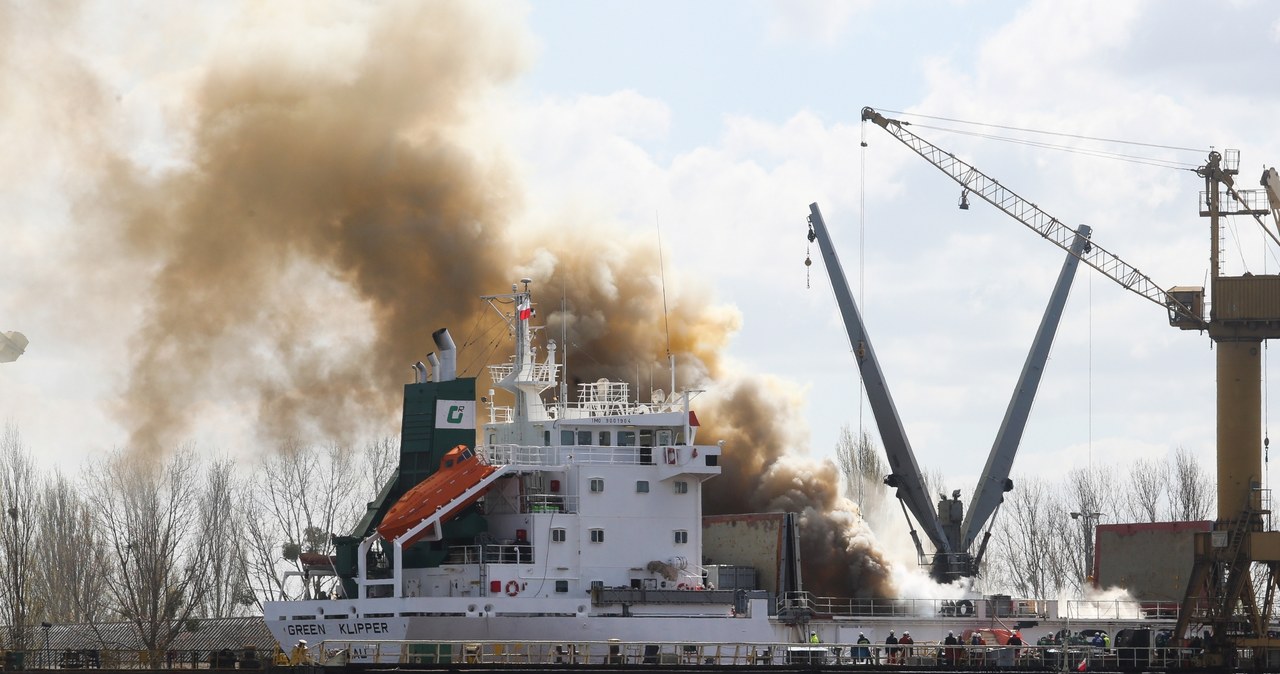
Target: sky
[{"x": 710, "y": 127}]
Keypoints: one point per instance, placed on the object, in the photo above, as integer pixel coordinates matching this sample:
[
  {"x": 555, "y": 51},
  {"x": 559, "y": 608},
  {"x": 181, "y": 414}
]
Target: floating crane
[
  {"x": 1221, "y": 592},
  {"x": 950, "y": 532}
]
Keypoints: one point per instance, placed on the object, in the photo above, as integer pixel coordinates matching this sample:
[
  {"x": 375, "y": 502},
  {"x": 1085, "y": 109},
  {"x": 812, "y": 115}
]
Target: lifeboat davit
[{"x": 460, "y": 469}]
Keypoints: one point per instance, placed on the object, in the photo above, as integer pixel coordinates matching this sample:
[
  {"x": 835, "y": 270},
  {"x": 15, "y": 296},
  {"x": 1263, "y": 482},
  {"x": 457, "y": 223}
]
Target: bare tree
[
  {"x": 1092, "y": 494},
  {"x": 862, "y": 469},
  {"x": 301, "y": 497},
  {"x": 379, "y": 461},
  {"x": 71, "y": 560},
  {"x": 147, "y": 512},
  {"x": 17, "y": 534},
  {"x": 1148, "y": 488},
  {"x": 220, "y": 533},
  {"x": 1028, "y": 550},
  {"x": 1192, "y": 496},
  {"x": 847, "y": 462}
]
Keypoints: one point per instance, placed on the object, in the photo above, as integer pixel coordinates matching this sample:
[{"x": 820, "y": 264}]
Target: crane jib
[{"x": 1030, "y": 215}]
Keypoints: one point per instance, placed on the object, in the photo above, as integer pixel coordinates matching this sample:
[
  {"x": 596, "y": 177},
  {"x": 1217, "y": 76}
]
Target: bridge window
[
  {"x": 681, "y": 487},
  {"x": 646, "y": 438},
  {"x": 566, "y": 437},
  {"x": 562, "y": 586},
  {"x": 626, "y": 438},
  {"x": 664, "y": 437},
  {"x": 597, "y": 485},
  {"x": 546, "y": 438},
  {"x": 682, "y": 536},
  {"x": 584, "y": 437},
  {"x": 604, "y": 438},
  {"x": 597, "y": 535},
  {"x": 557, "y": 535},
  {"x": 642, "y": 486}
]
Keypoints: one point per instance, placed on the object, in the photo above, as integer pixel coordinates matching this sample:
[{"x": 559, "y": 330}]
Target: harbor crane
[{"x": 1222, "y": 593}]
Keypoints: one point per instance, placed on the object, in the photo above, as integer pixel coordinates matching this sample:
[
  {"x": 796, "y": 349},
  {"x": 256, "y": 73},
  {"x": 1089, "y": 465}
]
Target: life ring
[
  {"x": 682, "y": 586},
  {"x": 671, "y": 456},
  {"x": 513, "y": 588},
  {"x": 964, "y": 607}
]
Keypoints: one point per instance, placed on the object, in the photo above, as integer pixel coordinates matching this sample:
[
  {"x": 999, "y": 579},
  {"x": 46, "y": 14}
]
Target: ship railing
[
  {"x": 548, "y": 503},
  {"x": 797, "y": 602},
  {"x": 1120, "y": 609},
  {"x": 490, "y": 553},
  {"x": 541, "y": 455},
  {"x": 538, "y": 373},
  {"x": 933, "y": 655},
  {"x": 930, "y": 654},
  {"x": 540, "y": 502}
]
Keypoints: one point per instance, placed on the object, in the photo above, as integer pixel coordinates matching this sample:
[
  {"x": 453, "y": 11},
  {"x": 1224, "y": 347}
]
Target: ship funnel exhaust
[
  {"x": 448, "y": 355},
  {"x": 419, "y": 373},
  {"x": 435, "y": 367}
]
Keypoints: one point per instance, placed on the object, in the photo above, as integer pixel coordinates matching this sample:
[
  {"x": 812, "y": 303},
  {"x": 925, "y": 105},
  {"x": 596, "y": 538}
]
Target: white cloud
[{"x": 823, "y": 21}]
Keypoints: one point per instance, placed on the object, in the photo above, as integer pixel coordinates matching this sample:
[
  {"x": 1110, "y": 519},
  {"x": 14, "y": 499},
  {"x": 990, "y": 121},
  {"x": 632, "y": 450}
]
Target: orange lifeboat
[{"x": 460, "y": 469}]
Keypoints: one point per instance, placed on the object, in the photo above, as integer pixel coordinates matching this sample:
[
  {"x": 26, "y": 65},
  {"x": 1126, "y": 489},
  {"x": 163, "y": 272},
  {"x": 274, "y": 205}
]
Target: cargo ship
[{"x": 549, "y": 527}]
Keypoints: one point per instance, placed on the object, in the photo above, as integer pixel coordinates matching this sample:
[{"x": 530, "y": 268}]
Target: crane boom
[{"x": 1047, "y": 226}]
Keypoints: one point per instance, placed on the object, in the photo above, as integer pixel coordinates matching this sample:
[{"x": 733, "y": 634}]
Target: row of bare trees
[
  {"x": 1038, "y": 548},
  {"x": 162, "y": 542}
]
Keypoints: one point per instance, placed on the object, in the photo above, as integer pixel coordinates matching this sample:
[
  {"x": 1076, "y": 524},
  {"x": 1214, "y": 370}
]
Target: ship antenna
[
  {"x": 564, "y": 340},
  {"x": 666, "y": 326}
]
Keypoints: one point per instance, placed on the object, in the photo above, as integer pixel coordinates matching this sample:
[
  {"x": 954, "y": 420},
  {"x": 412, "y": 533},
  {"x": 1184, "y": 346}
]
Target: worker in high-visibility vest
[{"x": 300, "y": 654}]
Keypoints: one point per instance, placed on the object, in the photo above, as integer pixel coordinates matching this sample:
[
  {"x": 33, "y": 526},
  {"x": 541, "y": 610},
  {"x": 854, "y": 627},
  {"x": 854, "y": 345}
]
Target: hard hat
[
  {"x": 302, "y": 642},
  {"x": 950, "y": 633},
  {"x": 905, "y": 633},
  {"x": 813, "y": 631}
]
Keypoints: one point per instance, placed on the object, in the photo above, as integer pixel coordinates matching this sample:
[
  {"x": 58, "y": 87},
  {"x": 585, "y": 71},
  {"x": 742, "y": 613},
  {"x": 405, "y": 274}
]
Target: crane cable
[
  {"x": 1047, "y": 133},
  {"x": 862, "y": 273},
  {"x": 1101, "y": 154}
]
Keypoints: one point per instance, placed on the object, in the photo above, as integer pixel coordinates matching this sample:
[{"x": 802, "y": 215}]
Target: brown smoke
[
  {"x": 763, "y": 472},
  {"x": 351, "y": 176},
  {"x": 351, "y": 193}
]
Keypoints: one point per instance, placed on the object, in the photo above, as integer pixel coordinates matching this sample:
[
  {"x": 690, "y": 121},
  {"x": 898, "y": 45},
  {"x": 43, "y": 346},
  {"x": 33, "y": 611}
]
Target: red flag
[
  {"x": 1084, "y": 665},
  {"x": 524, "y": 309}
]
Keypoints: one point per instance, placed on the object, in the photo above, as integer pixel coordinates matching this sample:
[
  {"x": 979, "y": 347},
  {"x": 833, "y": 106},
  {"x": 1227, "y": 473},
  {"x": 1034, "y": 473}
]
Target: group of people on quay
[{"x": 896, "y": 650}]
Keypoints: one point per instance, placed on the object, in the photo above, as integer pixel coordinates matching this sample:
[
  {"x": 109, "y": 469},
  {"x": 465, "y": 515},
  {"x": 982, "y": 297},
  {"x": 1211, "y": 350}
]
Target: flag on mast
[{"x": 524, "y": 309}]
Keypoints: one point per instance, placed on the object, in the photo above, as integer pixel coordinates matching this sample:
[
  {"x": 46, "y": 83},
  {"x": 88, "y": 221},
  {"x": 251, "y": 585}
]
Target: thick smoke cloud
[
  {"x": 321, "y": 191},
  {"x": 759, "y": 420},
  {"x": 305, "y": 175}
]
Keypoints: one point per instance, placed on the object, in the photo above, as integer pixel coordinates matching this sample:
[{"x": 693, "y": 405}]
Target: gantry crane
[{"x": 1245, "y": 310}]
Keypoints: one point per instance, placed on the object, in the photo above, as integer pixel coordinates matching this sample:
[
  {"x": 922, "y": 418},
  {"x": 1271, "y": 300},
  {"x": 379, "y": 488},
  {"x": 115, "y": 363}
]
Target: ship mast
[{"x": 525, "y": 378}]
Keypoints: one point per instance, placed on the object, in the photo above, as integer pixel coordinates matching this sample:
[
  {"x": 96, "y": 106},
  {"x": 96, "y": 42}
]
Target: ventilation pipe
[
  {"x": 448, "y": 355},
  {"x": 419, "y": 373},
  {"x": 434, "y": 362}
]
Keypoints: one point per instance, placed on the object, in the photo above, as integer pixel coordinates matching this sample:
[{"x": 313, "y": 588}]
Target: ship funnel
[
  {"x": 448, "y": 355},
  {"x": 419, "y": 373},
  {"x": 435, "y": 367}
]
